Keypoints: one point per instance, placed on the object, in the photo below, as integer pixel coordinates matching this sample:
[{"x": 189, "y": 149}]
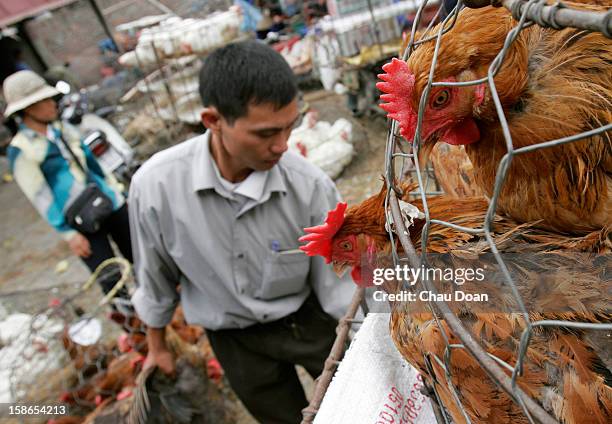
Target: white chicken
[
  {"x": 325, "y": 145},
  {"x": 28, "y": 347},
  {"x": 176, "y": 37}
]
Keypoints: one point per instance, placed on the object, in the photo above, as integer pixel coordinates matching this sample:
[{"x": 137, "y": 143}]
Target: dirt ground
[{"x": 32, "y": 255}]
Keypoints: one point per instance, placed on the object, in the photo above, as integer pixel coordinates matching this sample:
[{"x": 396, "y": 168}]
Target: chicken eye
[
  {"x": 441, "y": 99},
  {"x": 346, "y": 245}
]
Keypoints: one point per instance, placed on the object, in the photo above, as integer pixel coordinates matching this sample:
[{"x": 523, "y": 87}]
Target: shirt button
[
  {"x": 265, "y": 316},
  {"x": 240, "y": 256},
  {"x": 241, "y": 291}
]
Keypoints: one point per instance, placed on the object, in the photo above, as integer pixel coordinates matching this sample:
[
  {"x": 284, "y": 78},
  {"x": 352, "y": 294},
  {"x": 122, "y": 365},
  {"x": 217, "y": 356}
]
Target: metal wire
[
  {"x": 151, "y": 95},
  {"x": 557, "y": 16},
  {"x": 527, "y": 13},
  {"x": 162, "y": 70},
  {"x": 39, "y": 362}
]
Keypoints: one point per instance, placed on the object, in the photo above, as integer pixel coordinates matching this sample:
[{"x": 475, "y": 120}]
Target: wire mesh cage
[
  {"x": 502, "y": 373},
  {"x": 56, "y": 347},
  {"x": 458, "y": 338},
  {"x": 69, "y": 356},
  {"x": 169, "y": 54}
]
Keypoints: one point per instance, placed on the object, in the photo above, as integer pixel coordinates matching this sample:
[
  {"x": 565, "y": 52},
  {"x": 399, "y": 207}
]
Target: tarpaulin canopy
[{"x": 12, "y": 11}]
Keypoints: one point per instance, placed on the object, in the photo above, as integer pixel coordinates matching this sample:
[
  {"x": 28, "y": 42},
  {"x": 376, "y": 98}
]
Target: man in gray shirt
[{"x": 220, "y": 215}]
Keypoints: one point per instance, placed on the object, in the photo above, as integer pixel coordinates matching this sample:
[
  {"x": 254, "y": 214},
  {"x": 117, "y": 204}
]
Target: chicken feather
[
  {"x": 562, "y": 367},
  {"x": 552, "y": 84}
]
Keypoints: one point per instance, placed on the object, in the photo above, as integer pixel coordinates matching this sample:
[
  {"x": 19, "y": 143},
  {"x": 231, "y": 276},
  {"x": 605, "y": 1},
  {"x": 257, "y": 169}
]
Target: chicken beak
[{"x": 340, "y": 269}]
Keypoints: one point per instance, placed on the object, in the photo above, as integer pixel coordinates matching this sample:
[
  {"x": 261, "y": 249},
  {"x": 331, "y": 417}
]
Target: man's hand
[
  {"x": 158, "y": 352},
  {"x": 80, "y": 245},
  {"x": 164, "y": 361}
]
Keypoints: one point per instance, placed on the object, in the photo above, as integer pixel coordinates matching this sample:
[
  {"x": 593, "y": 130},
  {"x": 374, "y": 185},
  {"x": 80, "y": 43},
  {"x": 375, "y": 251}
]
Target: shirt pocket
[{"x": 284, "y": 274}]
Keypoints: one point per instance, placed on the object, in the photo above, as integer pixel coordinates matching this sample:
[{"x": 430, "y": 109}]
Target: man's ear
[{"x": 211, "y": 118}]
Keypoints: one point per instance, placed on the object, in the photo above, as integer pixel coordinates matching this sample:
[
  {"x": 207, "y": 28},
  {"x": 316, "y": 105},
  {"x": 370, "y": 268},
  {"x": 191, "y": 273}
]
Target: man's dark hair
[
  {"x": 11, "y": 122},
  {"x": 240, "y": 74}
]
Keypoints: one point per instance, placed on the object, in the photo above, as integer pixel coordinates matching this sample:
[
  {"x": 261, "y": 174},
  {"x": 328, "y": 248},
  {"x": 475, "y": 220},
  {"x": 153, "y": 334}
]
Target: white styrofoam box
[{"x": 374, "y": 384}]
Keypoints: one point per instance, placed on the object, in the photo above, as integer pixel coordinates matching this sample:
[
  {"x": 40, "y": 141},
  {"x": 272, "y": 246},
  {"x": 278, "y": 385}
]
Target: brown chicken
[
  {"x": 454, "y": 171},
  {"x": 135, "y": 334},
  {"x": 552, "y": 84},
  {"x": 189, "y": 333},
  {"x": 122, "y": 391},
  {"x": 562, "y": 370},
  {"x": 192, "y": 397},
  {"x": 119, "y": 376},
  {"x": 87, "y": 360}
]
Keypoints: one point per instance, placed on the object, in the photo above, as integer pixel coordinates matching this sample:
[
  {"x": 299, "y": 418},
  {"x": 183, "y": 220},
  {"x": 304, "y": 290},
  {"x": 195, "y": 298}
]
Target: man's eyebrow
[{"x": 266, "y": 129}]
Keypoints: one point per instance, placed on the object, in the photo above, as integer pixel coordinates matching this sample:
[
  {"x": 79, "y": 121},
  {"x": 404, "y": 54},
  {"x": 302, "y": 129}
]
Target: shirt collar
[
  {"x": 52, "y": 130},
  {"x": 257, "y": 186},
  {"x": 30, "y": 133}
]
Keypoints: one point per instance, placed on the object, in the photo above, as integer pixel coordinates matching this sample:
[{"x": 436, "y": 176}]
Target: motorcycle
[{"x": 109, "y": 147}]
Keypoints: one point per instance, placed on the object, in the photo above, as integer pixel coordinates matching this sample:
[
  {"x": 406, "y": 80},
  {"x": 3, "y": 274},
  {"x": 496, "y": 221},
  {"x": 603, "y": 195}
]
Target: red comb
[
  {"x": 319, "y": 237},
  {"x": 398, "y": 85}
]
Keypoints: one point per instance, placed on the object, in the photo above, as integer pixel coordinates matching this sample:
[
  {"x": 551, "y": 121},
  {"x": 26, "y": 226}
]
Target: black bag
[{"x": 91, "y": 208}]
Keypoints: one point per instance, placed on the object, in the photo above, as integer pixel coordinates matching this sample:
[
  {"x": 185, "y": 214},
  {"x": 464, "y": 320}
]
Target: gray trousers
[{"x": 259, "y": 361}]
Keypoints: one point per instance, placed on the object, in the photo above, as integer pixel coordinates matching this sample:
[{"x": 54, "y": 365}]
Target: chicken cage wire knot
[
  {"x": 538, "y": 13},
  {"x": 606, "y": 26},
  {"x": 557, "y": 16},
  {"x": 553, "y": 16},
  {"x": 516, "y": 7}
]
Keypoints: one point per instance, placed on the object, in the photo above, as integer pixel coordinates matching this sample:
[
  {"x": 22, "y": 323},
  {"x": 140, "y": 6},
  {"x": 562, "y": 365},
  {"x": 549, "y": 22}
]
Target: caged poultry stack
[
  {"x": 90, "y": 365},
  {"x": 552, "y": 84},
  {"x": 553, "y": 214},
  {"x": 564, "y": 370},
  {"x": 124, "y": 392}
]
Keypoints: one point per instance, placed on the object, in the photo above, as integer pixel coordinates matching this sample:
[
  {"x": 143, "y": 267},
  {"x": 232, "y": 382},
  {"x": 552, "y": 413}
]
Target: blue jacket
[{"x": 49, "y": 177}]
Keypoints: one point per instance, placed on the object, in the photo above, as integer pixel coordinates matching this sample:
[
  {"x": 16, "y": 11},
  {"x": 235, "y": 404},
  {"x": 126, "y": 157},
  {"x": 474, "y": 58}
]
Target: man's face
[
  {"x": 258, "y": 140},
  {"x": 43, "y": 111}
]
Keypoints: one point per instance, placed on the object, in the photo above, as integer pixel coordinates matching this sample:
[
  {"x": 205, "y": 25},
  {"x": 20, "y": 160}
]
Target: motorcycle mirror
[{"x": 63, "y": 87}]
